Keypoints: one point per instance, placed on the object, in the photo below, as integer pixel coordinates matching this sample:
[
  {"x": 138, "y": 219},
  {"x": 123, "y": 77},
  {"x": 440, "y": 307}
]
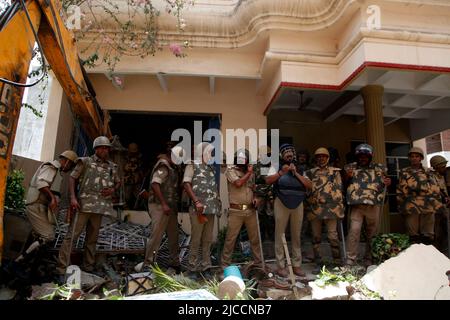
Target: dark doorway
[{"x": 151, "y": 131}]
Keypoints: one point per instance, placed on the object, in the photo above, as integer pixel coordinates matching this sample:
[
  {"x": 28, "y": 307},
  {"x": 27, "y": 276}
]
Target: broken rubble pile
[
  {"x": 336, "y": 291},
  {"x": 418, "y": 273}
]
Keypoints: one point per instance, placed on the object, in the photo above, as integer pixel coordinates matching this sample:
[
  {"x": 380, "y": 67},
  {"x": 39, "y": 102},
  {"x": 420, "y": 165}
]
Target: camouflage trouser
[
  {"x": 201, "y": 235},
  {"x": 92, "y": 222},
  {"x": 420, "y": 225},
  {"x": 162, "y": 223},
  {"x": 237, "y": 218},
  {"x": 38, "y": 216},
  {"x": 357, "y": 215},
  {"x": 284, "y": 215},
  {"x": 333, "y": 239}
]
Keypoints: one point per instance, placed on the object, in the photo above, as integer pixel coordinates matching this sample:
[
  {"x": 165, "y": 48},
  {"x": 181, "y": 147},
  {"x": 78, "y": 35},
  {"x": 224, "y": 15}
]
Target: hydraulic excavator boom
[{"x": 21, "y": 26}]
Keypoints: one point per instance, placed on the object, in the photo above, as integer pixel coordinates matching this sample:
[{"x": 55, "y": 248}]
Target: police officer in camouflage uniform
[
  {"x": 201, "y": 186},
  {"x": 326, "y": 202},
  {"x": 264, "y": 196},
  {"x": 241, "y": 181},
  {"x": 418, "y": 198},
  {"x": 365, "y": 195},
  {"x": 132, "y": 174},
  {"x": 97, "y": 180},
  {"x": 43, "y": 197},
  {"x": 439, "y": 164},
  {"x": 163, "y": 207}
]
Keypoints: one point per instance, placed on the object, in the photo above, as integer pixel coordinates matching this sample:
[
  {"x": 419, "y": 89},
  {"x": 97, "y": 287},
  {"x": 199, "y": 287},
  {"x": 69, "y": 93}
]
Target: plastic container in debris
[
  {"x": 232, "y": 284},
  {"x": 232, "y": 271}
]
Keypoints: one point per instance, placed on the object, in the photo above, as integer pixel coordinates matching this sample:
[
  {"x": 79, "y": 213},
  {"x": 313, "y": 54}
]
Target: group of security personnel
[{"x": 286, "y": 192}]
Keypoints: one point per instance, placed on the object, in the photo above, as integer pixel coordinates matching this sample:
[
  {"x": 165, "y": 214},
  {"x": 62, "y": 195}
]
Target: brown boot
[
  {"x": 282, "y": 272},
  {"x": 298, "y": 272}
]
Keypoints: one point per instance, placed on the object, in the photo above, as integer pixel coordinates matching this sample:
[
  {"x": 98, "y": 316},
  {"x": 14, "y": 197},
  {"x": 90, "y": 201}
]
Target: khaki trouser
[
  {"x": 333, "y": 239},
  {"x": 357, "y": 215},
  {"x": 237, "y": 218},
  {"x": 92, "y": 222},
  {"x": 38, "y": 216},
  {"x": 201, "y": 234},
  {"x": 420, "y": 224},
  {"x": 162, "y": 223},
  {"x": 284, "y": 215}
]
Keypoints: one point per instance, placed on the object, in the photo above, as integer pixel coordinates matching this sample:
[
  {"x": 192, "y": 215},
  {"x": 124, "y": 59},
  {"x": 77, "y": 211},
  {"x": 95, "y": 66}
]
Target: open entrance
[{"x": 152, "y": 130}]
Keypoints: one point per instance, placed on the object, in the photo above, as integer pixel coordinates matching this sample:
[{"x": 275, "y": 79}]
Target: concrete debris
[
  {"x": 418, "y": 272},
  {"x": 358, "y": 296},
  {"x": 337, "y": 291},
  {"x": 89, "y": 280},
  {"x": 200, "y": 294},
  {"x": 7, "y": 294},
  {"x": 43, "y": 290},
  {"x": 277, "y": 294}
]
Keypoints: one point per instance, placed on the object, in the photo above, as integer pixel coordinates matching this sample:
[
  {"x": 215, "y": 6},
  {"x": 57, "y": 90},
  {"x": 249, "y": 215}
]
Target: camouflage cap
[{"x": 438, "y": 161}]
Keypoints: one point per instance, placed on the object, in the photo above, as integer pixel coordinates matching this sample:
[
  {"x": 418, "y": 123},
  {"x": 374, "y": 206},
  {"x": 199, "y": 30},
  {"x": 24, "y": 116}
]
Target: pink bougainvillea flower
[{"x": 176, "y": 50}]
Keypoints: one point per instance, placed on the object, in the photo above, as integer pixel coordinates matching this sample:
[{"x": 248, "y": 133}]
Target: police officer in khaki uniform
[
  {"x": 418, "y": 198},
  {"x": 290, "y": 188},
  {"x": 326, "y": 202},
  {"x": 367, "y": 183},
  {"x": 201, "y": 186},
  {"x": 241, "y": 181},
  {"x": 43, "y": 193},
  {"x": 97, "y": 179},
  {"x": 163, "y": 208},
  {"x": 43, "y": 197},
  {"x": 439, "y": 164}
]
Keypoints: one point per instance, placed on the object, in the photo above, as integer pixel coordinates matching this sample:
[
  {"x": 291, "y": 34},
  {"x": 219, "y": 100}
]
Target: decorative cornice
[{"x": 249, "y": 18}]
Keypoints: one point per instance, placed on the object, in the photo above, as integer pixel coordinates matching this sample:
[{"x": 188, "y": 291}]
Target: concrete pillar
[
  {"x": 52, "y": 122},
  {"x": 373, "y": 108}
]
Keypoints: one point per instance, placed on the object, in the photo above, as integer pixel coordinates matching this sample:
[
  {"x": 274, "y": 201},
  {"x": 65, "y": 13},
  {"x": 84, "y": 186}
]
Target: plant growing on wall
[
  {"x": 112, "y": 29},
  {"x": 15, "y": 191}
]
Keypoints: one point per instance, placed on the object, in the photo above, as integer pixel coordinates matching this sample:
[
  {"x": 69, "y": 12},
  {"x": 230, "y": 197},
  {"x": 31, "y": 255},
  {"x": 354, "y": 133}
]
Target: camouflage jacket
[
  {"x": 96, "y": 175},
  {"x": 367, "y": 185},
  {"x": 262, "y": 189},
  {"x": 418, "y": 192},
  {"x": 205, "y": 188},
  {"x": 132, "y": 170},
  {"x": 169, "y": 187},
  {"x": 326, "y": 198}
]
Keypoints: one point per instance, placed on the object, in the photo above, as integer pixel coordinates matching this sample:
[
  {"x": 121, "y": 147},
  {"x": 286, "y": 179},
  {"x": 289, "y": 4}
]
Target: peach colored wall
[
  {"x": 234, "y": 99},
  {"x": 311, "y": 132}
]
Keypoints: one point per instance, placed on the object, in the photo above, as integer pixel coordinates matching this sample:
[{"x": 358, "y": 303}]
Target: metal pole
[
  {"x": 260, "y": 242},
  {"x": 75, "y": 220},
  {"x": 289, "y": 264},
  {"x": 344, "y": 249}
]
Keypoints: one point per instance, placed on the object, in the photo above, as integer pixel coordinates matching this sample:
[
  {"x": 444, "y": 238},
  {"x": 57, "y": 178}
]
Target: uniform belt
[{"x": 241, "y": 206}]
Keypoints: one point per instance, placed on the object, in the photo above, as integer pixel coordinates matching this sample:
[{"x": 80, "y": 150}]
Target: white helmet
[{"x": 101, "y": 141}]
